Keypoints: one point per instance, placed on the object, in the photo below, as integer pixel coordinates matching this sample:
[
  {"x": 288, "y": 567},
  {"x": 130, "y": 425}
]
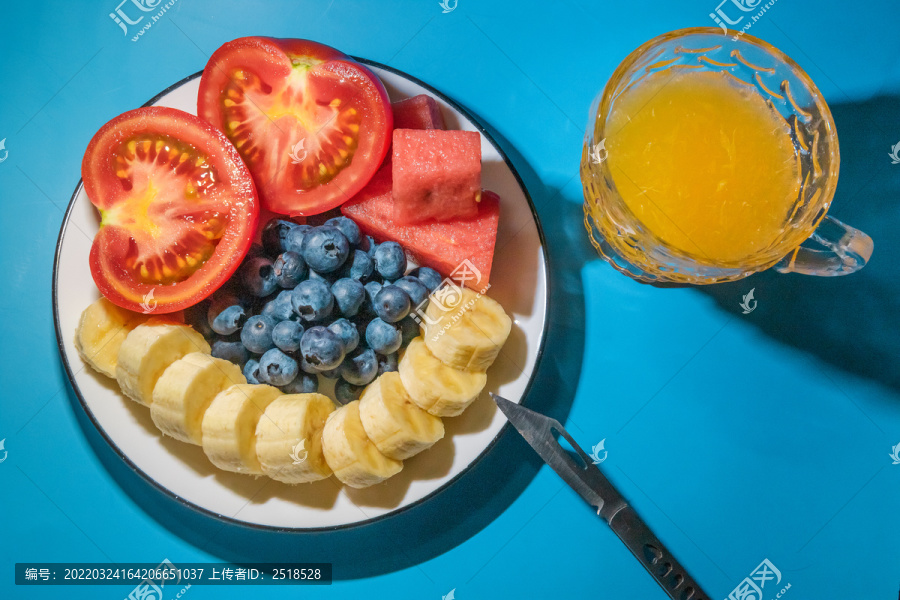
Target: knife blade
[{"x": 592, "y": 485}]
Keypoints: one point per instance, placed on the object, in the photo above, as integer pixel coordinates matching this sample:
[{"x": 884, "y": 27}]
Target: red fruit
[
  {"x": 437, "y": 175},
  {"x": 418, "y": 112},
  {"x": 178, "y": 207},
  {"x": 311, "y": 124},
  {"x": 443, "y": 246}
]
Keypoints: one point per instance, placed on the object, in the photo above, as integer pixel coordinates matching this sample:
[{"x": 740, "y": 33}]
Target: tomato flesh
[
  {"x": 178, "y": 209},
  {"x": 169, "y": 239},
  {"x": 311, "y": 124},
  {"x": 327, "y": 133}
]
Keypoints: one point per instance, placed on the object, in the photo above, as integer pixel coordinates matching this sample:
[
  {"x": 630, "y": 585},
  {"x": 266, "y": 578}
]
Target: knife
[{"x": 595, "y": 488}]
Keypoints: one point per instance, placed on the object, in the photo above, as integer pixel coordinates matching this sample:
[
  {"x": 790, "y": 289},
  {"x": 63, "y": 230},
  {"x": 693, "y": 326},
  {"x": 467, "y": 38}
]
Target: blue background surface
[{"x": 737, "y": 437}]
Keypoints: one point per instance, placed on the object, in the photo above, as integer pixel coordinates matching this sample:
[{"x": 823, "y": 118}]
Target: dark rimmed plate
[{"x": 519, "y": 281}]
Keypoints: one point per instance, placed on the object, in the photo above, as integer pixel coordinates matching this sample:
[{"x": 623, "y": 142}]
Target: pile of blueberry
[{"x": 313, "y": 301}]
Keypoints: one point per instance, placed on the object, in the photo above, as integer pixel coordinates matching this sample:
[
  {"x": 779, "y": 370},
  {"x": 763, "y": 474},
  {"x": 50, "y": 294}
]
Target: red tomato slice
[
  {"x": 178, "y": 209},
  {"x": 312, "y": 125}
]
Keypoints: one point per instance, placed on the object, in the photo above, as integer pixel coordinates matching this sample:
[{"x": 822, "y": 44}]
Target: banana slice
[
  {"x": 469, "y": 335},
  {"x": 229, "y": 426},
  {"x": 146, "y": 352},
  {"x": 351, "y": 455},
  {"x": 397, "y": 427},
  {"x": 289, "y": 438},
  {"x": 433, "y": 386},
  {"x": 101, "y": 331},
  {"x": 185, "y": 390}
]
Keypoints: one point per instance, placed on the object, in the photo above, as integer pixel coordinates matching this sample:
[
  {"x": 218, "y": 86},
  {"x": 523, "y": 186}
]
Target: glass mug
[{"x": 625, "y": 242}]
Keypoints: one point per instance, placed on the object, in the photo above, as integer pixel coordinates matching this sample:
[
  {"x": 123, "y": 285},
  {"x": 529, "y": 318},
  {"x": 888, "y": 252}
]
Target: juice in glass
[
  {"x": 704, "y": 162},
  {"x": 710, "y": 157}
]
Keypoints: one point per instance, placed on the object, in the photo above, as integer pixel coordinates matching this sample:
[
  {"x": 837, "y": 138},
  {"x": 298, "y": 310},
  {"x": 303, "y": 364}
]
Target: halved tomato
[
  {"x": 312, "y": 124},
  {"x": 178, "y": 209}
]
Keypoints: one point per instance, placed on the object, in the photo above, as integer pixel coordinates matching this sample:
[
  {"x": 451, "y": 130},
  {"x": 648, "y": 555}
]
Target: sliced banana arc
[
  {"x": 469, "y": 335},
  {"x": 397, "y": 427},
  {"x": 355, "y": 460},
  {"x": 289, "y": 438},
  {"x": 101, "y": 330},
  {"x": 186, "y": 389},
  {"x": 229, "y": 426},
  {"x": 441, "y": 390},
  {"x": 148, "y": 350},
  {"x": 297, "y": 438}
]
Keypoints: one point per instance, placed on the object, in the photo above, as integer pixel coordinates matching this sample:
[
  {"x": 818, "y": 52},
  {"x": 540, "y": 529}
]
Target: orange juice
[{"x": 704, "y": 162}]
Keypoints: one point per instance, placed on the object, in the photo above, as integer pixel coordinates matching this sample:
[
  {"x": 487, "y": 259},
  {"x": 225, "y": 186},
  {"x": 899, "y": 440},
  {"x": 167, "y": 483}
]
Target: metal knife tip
[{"x": 503, "y": 404}]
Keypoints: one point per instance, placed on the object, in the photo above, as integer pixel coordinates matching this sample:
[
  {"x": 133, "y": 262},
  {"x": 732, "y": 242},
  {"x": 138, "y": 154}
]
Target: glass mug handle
[{"x": 843, "y": 250}]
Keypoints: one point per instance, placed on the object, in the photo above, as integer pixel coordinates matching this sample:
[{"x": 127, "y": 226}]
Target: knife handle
[{"x": 655, "y": 557}]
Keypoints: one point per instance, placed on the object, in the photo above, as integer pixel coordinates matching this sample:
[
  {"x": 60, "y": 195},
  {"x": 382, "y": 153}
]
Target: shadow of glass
[
  {"x": 446, "y": 520},
  {"x": 851, "y": 322}
]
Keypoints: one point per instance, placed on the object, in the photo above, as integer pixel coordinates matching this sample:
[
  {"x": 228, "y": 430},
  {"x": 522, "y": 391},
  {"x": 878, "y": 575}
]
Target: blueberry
[
  {"x": 390, "y": 260},
  {"x": 286, "y": 335},
  {"x": 387, "y": 362},
  {"x": 231, "y": 351},
  {"x": 293, "y": 240},
  {"x": 229, "y": 320},
  {"x": 349, "y": 294},
  {"x": 347, "y": 227},
  {"x": 345, "y": 392},
  {"x": 289, "y": 269},
  {"x": 257, "y": 334},
  {"x": 359, "y": 266},
  {"x": 414, "y": 288},
  {"x": 367, "y": 244},
  {"x": 360, "y": 368},
  {"x": 328, "y": 278},
  {"x": 331, "y": 373},
  {"x": 251, "y": 371},
  {"x": 382, "y": 337},
  {"x": 409, "y": 330},
  {"x": 360, "y": 323},
  {"x": 281, "y": 308},
  {"x": 325, "y": 248},
  {"x": 347, "y": 332},
  {"x": 430, "y": 278},
  {"x": 372, "y": 289},
  {"x": 221, "y": 301},
  {"x": 312, "y": 300},
  {"x": 303, "y": 383},
  {"x": 277, "y": 368},
  {"x": 258, "y": 276},
  {"x": 391, "y": 303},
  {"x": 274, "y": 235},
  {"x": 307, "y": 367},
  {"x": 321, "y": 348}
]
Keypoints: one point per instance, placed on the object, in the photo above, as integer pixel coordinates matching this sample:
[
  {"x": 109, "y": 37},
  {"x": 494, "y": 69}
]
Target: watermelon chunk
[
  {"x": 443, "y": 246},
  {"x": 418, "y": 112},
  {"x": 437, "y": 175}
]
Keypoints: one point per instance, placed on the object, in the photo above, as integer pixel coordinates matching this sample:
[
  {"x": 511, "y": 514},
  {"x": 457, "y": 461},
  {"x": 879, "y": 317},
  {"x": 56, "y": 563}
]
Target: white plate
[{"x": 518, "y": 282}]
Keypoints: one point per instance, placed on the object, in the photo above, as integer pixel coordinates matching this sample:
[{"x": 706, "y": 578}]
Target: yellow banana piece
[
  {"x": 185, "y": 390},
  {"x": 101, "y": 331},
  {"x": 441, "y": 390},
  {"x": 397, "y": 427},
  {"x": 148, "y": 350},
  {"x": 289, "y": 438},
  {"x": 229, "y": 426},
  {"x": 355, "y": 460},
  {"x": 469, "y": 335}
]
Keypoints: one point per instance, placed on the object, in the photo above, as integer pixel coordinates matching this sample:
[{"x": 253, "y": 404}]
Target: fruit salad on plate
[{"x": 333, "y": 338}]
